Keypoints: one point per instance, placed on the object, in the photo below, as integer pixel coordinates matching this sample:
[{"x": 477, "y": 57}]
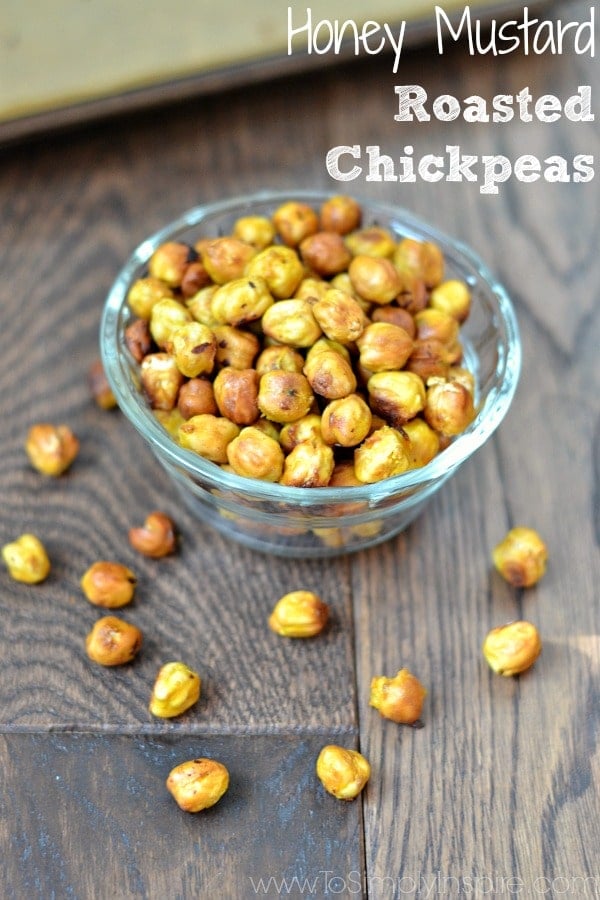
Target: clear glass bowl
[{"x": 318, "y": 522}]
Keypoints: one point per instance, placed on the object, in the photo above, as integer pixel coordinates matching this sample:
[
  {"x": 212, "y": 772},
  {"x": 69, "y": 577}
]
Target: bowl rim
[{"x": 139, "y": 414}]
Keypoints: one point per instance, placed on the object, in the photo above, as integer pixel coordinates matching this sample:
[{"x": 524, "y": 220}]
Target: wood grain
[{"x": 502, "y": 780}]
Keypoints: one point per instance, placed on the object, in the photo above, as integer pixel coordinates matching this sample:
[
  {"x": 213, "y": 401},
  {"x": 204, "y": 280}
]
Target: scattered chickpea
[
  {"x": 113, "y": 642},
  {"x": 108, "y": 584},
  {"x": 197, "y": 784},
  {"x": 176, "y": 689},
  {"x": 343, "y": 773},
  {"x": 26, "y": 559},
  {"x": 299, "y": 614},
  {"x": 156, "y": 538},
  {"x": 51, "y": 448},
  {"x": 399, "y": 698},
  {"x": 521, "y": 557},
  {"x": 513, "y": 648}
]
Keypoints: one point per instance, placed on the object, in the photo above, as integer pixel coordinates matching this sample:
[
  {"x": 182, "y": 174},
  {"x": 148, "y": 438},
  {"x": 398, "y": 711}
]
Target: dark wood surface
[{"x": 498, "y": 792}]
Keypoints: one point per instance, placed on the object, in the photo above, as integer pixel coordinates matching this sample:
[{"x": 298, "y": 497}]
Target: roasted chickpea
[
  {"x": 429, "y": 359},
  {"x": 236, "y": 394},
  {"x": 434, "y": 324},
  {"x": 113, "y": 642},
  {"x": 294, "y": 221},
  {"x": 235, "y": 347},
  {"x": 195, "y": 397},
  {"x": 373, "y": 241},
  {"x": 225, "y": 258},
  {"x": 169, "y": 262},
  {"x": 299, "y": 614},
  {"x": 175, "y": 690},
  {"x": 399, "y": 698},
  {"x": 279, "y": 357},
  {"x": 170, "y": 419},
  {"x": 375, "y": 279},
  {"x": 241, "y": 301},
  {"x": 100, "y": 389},
  {"x": 324, "y": 345},
  {"x": 422, "y": 259},
  {"x": 346, "y": 421},
  {"x": 397, "y": 396},
  {"x": 161, "y": 380},
  {"x": 194, "y": 347},
  {"x": 449, "y": 407},
  {"x": 194, "y": 279},
  {"x": 279, "y": 267},
  {"x": 513, "y": 648},
  {"x": 198, "y": 784},
  {"x": 413, "y": 294},
  {"x": 199, "y": 306},
  {"x": 145, "y": 293},
  {"x": 51, "y": 449},
  {"x": 108, "y": 584},
  {"x": 463, "y": 376},
  {"x": 340, "y": 316},
  {"x": 340, "y": 213},
  {"x": 168, "y": 315},
  {"x": 423, "y": 442},
  {"x": 284, "y": 396},
  {"x": 208, "y": 436},
  {"x": 325, "y": 253},
  {"x": 311, "y": 288},
  {"x": 255, "y": 454},
  {"x": 383, "y": 346},
  {"x": 305, "y": 429},
  {"x": 291, "y": 322},
  {"x": 138, "y": 339},
  {"x": 156, "y": 538},
  {"x": 382, "y": 455},
  {"x": 258, "y": 231},
  {"x": 309, "y": 464},
  {"x": 26, "y": 559},
  {"x": 521, "y": 557},
  {"x": 343, "y": 773},
  {"x": 452, "y": 297},
  {"x": 330, "y": 375}
]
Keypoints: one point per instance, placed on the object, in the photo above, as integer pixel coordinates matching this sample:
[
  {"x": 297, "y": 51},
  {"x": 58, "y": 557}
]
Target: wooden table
[{"x": 498, "y": 792}]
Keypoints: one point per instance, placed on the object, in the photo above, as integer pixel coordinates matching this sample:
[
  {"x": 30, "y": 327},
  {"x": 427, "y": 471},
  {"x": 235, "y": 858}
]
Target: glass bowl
[{"x": 318, "y": 522}]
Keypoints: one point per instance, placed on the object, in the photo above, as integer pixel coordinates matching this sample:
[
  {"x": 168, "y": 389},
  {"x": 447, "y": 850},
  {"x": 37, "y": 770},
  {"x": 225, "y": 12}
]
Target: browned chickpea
[
  {"x": 113, "y": 642},
  {"x": 423, "y": 442},
  {"x": 311, "y": 288},
  {"x": 194, "y": 347},
  {"x": 374, "y": 279},
  {"x": 279, "y": 357},
  {"x": 235, "y": 347},
  {"x": 421, "y": 258},
  {"x": 340, "y": 316},
  {"x": 258, "y": 231},
  {"x": 428, "y": 359},
  {"x": 280, "y": 268},
  {"x": 169, "y": 262},
  {"x": 397, "y": 396},
  {"x": 100, "y": 389},
  {"x": 413, "y": 294},
  {"x": 346, "y": 422},
  {"x": 108, "y": 584},
  {"x": 395, "y": 315},
  {"x": 325, "y": 253},
  {"x": 156, "y": 537},
  {"x": 51, "y": 449},
  {"x": 196, "y": 396},
  {"x": 294, "y": 221},
  {"x": 144, "y": 293},
  {"x": 167, "y": 316},
  {"x": 309, "y": 464},
  {"x": 138, "y": 339},
  {"x": 284, "y": 396},
  {"x": 291, "y": 322},
  {"x": 199, "y": 306},
  {"x": 255, "y": 454},
  {"x": 161, "y": 380},
  {"x": 382, "y": 455},
  {"x": 449, "y": 407},
  {"x": 435, "y": 324},
  {"x": 208, "y": 436},
  {"x": 340, "y": 213},
  {"x": 324, "y": 345},
  {"x": 240, "y": 301},
  {"x": 236, "y": 394},
  {"x": 304, "y": 429},
  {"x": 225, "y": 258},
  {"x": 330, "y": 375},
  {"x": 399, "y": 698},
  {"x": 194, "y": 279},
  {"x": 373, "y": 241},
  {"x": 383, "y": 346}
]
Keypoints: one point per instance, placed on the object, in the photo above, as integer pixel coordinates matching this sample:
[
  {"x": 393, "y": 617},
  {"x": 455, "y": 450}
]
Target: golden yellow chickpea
[
  {"x": 305, "y": 429},
  {"x": 156, "y": 538},
  {"x": 372, "y": 241},
  {"x": 51, "y": 449},
  {"x": 374, "y": 278},
  {"x": 236, "y": 394},
  {"x": 294, "y": 221},
  {"x": 279, "y": 357},
  {"x": 340, "y": 316},
  {"x": 208, "y": 436},
  {"x": 397, "y": 396},
  {"x": 195, "y": 397},
  {"x": 309, "y": 464},
  {"x": 258, "y": 231},
  {"x": 299, "y": 614},
  {"x": 108, "y": 584},
  {"x": 423, "y": 442},
  {"x": 463, "y": 376},
  {"x": 325, "y": 253},
  {"x": 235, "y": 347},
  {"x": 452, "y": 297},
  {"x": 340, "y": 213},
  {"x": 255, "y": 454},
  {"x": 284, "y": 396},
  {"x": 325, "y": 344},
  {"x": 225, "y": 258},
  {"x": 343, "y": 773},
  {"x": 330, "y": 374},
  {"x": 438, "y": 325},
  {"x": 382, "y": 455},
  {"x": 513, "y": 648},
  {"x": 197, "y": 784},
  {"x": 169, "y": 262},
  {"x": 199, "y": 305},
  {"x": 26, "y": 559},
  {"x": 291, "y": 322},
  {"x": 175, "y": 690},
  {"x": 194, "y": 347},
  {"x": 521, "y": 557},
  {"x": 160, "y": 379},
  {"x": 346, "y": 421},
  {"x": 399, "y": 698},
  {"x": 241, "y": 301},
  {"x": 383, "y": 346},
  {"x": 168, "y": 315},
  {"x": 311, "y": 288},
  {"x": 145, "y": 293},
  {"x": 423, "y": 259},
  {"x": 138, "y": 339},
  {"x": 113, "y": 642},
  {"x": 280, "y": 268},
  {"x": 170, "y": 419},
  {"x": 449, "y": 407}
]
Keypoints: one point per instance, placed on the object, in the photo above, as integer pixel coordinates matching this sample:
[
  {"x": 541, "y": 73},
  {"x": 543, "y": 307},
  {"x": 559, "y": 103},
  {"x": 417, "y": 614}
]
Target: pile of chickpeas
[{"x": 304, "y": 348}]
